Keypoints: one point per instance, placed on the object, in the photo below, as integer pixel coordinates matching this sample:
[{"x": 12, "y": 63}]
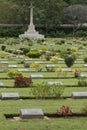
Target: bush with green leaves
[
  {"x": 82, "y": 82},
  {"x": 21, "y": 81},
  {"x": 34, "y": 54},
  {"x": 44, "y": 90},
  {"x": 3, "y": 47},
  {"x": 69, "y": 60},
  {"x": 85, "y": 59},
  {"x": 84, "y": 109},
  {"x": 64, "y": 111},
  {"x": 13, "y": 74},
  {"x": 25, "y": 50}
]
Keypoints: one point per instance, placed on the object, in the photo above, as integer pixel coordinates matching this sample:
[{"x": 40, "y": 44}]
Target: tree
[
  {"x": 69, "y": 60},
  {"x": 9, "y": 12},
  {"x": 75, "y": 15}
]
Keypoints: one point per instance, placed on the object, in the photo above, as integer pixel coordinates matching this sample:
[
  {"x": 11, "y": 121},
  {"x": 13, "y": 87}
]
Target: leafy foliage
[
  {"x": 34, "y": 54},
  {"x": 85, "y": 59},
  {"x": 69, "y": 60},
  {"x": 13, "y": 74},
  {"x": 64, "y": 111},
  {"x": 43, "y": 90},
  {"x": 21, "y": 81}
]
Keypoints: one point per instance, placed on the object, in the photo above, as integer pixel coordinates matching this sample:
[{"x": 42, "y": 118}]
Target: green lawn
[{"x": 48, "y": 106}]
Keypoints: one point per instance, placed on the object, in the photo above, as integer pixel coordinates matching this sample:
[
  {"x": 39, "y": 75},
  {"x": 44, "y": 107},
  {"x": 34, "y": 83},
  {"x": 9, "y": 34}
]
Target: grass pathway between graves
[{"x": 48, "y": 106}]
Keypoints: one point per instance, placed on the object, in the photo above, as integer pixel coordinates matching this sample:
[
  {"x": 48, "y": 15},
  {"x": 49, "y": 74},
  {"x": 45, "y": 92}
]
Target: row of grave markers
[{"x": 15, "y": 95}]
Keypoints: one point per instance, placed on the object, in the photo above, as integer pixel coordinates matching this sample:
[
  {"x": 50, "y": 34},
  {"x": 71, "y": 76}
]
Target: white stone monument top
[{"x": 31, "y": 33}]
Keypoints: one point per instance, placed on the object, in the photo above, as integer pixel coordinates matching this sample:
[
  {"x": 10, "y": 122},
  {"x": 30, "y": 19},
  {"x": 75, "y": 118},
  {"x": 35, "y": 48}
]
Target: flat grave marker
[
  {"x": 1, "y": 84},
  {"x": 12, "y": 66},
  {"x": 40, "y": 62},
  {"x": 31, "y": 113},
  {"x": 50, "y": 65},
  {"x": 66, "y": 69},
  {"x": 9, "y": 96},
  {"x": 28, "y": 59},
  {"x": 23, "y": 70},
  {"x": 20, "y": 57},
  {"x": 3, "y": 66},
  {"x": 55, "y": 83},
  {"x": 85, "y": 65},
  {"x": 79, "y": 94},
  {"x": 36, "y": 76},
  {"x": 83, "y": 75}
]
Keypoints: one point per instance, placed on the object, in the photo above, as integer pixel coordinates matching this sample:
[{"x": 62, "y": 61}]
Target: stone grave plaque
[
  {"x": 28, "y": 59},
  {"x": 56, "y": 83},
  {"x": 36, "y": 76},
  {"x": 83, "y": 75},
  {"x": 61, "y": 59},
  {"x": 23, "y": 70},
  {"x": 50, "y": 65},
  {"x": 41, "y": 62},
  {"x": 4, "y": 66},
  {"x": 9, "y": 96},
  {"x": 12, "y": 66},
  {"x": 85, "y": 65},
  {"x": 1, "y": 84},
  {"x": 79, "y": 94},
  {"x": 66, "y": 69},
  {"x": 20, "y": 57},
  {"x": 31, "y": 113}
]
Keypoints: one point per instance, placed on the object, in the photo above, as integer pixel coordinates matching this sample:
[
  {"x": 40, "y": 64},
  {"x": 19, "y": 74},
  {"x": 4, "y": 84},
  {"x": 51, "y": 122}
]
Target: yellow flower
[
  {"x": 35, "y": 65},
  {"x": 54, "y": 59}
]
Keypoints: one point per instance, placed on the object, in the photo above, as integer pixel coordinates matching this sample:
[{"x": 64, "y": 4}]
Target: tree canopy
[{"x": 46, "y": 13}]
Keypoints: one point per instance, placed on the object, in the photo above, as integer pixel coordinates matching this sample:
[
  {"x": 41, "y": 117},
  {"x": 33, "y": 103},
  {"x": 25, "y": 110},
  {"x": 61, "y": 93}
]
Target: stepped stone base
[{"x": 31, "y": 33}]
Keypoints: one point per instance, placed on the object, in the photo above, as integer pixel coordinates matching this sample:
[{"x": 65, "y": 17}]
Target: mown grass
[{"x": 48, "y": 106}]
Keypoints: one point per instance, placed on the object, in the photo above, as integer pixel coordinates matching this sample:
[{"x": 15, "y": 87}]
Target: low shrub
[
  {"x": 38, "y": 67},
  {"x": 26, "y": 65},
  {"x": 25, "y": 50},
  {"x": 69, "y": 60},
  {"x": 2, "y": 54},
  {"x": 3, "y": 47},
  {"x": 85, "y": 59},
  {"x": 84, "y": 109},
  {"x": 82, "y": 82},
  {"x": 76, "y": 73},
  {"x": 13, "y": 74},
  {"x": 64, "y": 111},
  {"x": 43, "y": 90},
  {"x": 34, "y": 54},
  {"x": 21, "y": 61},
  {"x": 21, "y": 81}
]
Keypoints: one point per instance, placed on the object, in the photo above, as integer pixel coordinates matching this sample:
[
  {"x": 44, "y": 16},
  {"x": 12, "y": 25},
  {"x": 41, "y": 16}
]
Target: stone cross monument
[
  {"x": 31, "y": 33},
  {"x": 31, "y": 13}
]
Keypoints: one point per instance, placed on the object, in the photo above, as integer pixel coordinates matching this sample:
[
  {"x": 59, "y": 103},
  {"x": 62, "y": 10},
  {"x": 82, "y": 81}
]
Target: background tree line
[{"x": 48, "y": 14}]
